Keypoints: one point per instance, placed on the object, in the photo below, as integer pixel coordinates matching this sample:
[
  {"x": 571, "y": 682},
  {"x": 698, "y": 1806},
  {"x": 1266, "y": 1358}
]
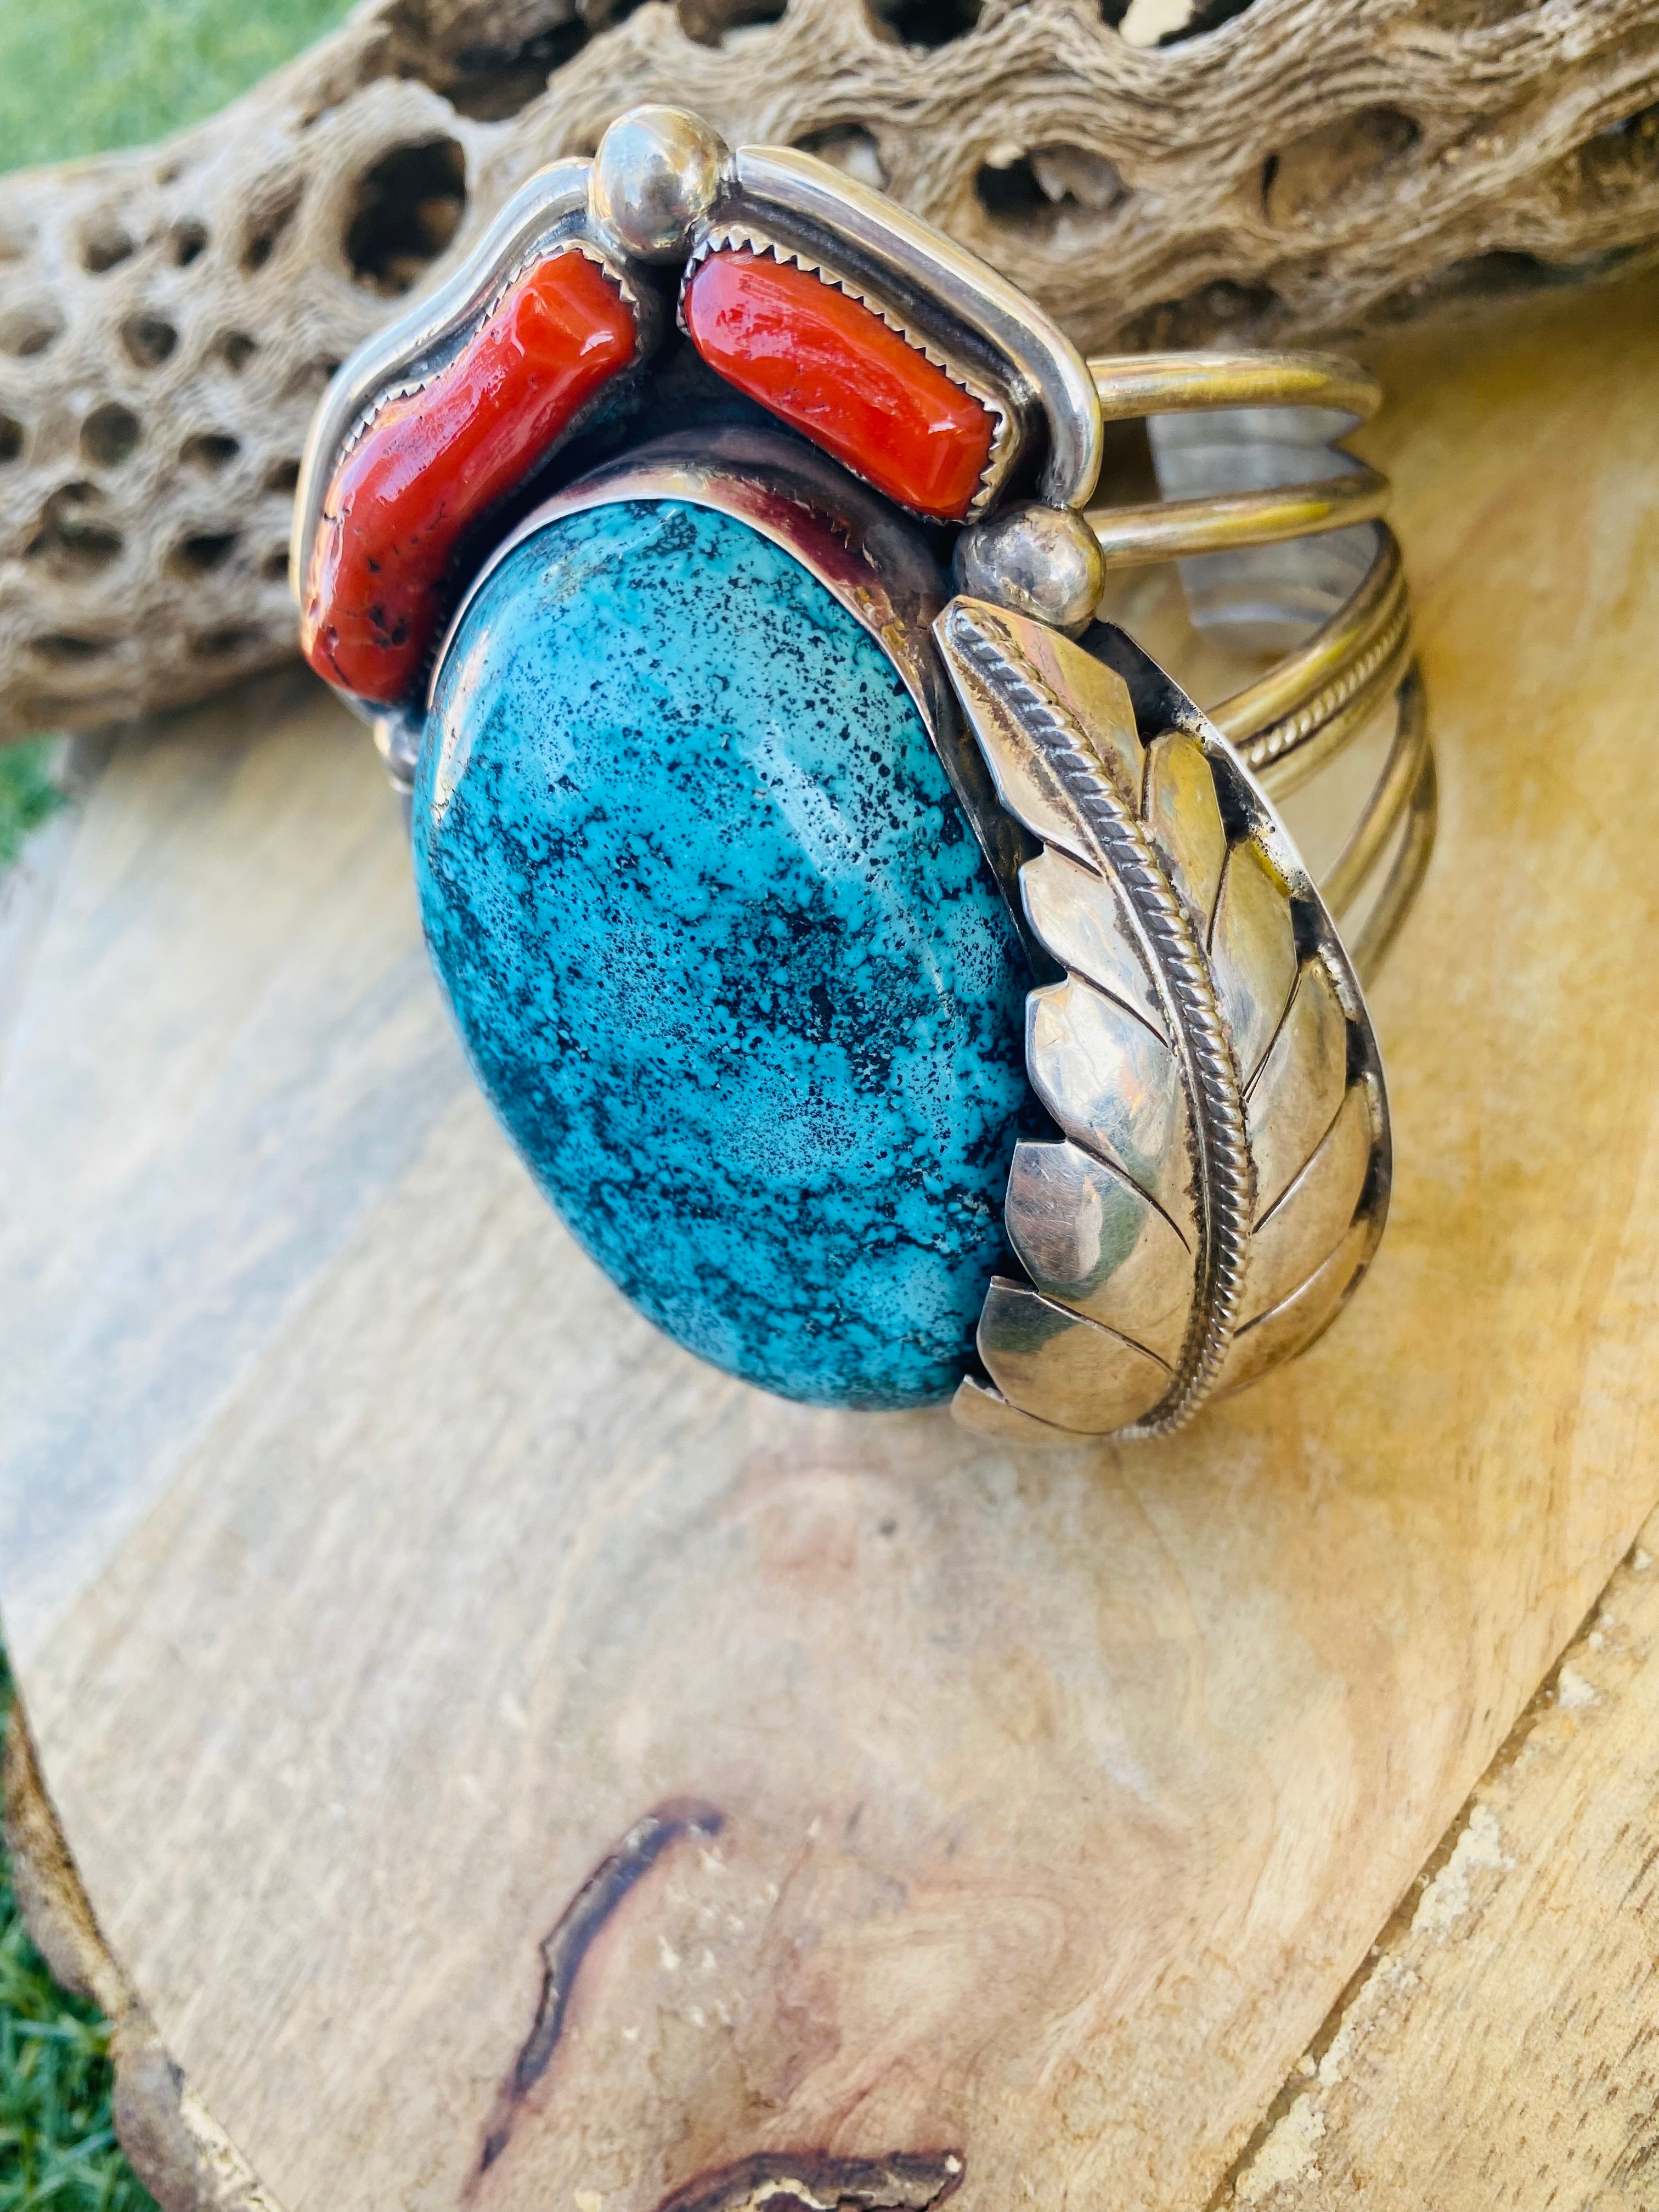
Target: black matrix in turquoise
[{"x": 723, "y": 951}]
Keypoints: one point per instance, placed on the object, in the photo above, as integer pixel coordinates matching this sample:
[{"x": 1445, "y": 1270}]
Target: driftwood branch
[{"x": 1305, "y": 168}]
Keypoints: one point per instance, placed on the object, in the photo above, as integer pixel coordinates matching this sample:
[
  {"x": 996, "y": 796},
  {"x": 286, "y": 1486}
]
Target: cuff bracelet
[{"x": 898, "y": 984}]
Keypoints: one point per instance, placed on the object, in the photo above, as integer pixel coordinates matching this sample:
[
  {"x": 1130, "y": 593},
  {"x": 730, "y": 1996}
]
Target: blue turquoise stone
[{"x": 723, "y": 951}]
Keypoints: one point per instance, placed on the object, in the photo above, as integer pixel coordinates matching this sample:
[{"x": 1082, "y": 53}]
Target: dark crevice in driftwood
[
  {"x": 816, "y": 2181},
  {"x": 927, "y": 23},
  {"x": 568, "y": 1942},
  {"x": 409, "y": 206}
]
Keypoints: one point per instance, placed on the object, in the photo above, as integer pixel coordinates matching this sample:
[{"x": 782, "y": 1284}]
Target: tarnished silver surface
[
  {"x": 1179, "y": 802},
  {"x": 1040, "y": 561},
  {"x": 1314, "y": 1214},
  {"x": 1302, "y": 1080},
  {"x": 1112, "y": 1082},
  {"x": 1248, "y": 1122},
  {"x": 1089, "y": 935},
  {"x": 1092, "y": 1380},
  {"x": 1252, "y": 944},
  {"x": 1301, "y": 1317}
]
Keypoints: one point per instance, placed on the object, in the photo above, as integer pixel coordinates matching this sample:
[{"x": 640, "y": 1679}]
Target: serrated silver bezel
[{"x": 741, "y": 237}]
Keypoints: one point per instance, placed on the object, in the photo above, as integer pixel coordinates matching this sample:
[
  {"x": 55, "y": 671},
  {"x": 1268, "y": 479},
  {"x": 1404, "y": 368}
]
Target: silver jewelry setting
[
  {"x": 1218, "y": 1182},
  {"x": 1199, "y": 1056},
  {"x": 1007, "y": 435}
]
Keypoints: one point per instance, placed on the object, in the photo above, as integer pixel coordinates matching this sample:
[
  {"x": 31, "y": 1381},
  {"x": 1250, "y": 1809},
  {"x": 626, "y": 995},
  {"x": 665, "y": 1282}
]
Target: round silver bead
[
  {"x": 657, "y": 173},
  {"x": 1040, "y": 561}
]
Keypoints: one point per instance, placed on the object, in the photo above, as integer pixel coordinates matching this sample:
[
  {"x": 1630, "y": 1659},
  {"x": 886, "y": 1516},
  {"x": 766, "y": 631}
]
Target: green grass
[
  {"x": 27, "y": 794},
  {"x": 57, "y": 2146},
  {"x": 80, "y": 77}
]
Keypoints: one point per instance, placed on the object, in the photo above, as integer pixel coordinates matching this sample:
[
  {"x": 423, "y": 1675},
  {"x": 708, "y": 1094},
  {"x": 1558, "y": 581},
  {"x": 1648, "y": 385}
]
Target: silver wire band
[{"x": 1271, "y": 521}]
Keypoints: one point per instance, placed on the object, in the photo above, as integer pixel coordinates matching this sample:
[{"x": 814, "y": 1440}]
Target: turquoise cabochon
[{"x": 723, "y": 951}]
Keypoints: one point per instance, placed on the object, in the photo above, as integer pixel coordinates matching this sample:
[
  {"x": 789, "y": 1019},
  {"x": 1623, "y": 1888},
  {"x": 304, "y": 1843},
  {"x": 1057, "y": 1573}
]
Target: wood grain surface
[
  {"x": 1502, "y": 2044},
  {"x": 514, "y": 1764}
]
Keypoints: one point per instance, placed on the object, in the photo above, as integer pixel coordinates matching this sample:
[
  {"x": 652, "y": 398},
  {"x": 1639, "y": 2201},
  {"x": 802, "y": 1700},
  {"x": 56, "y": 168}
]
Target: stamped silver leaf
[{"x": 1221, "y": 1173}]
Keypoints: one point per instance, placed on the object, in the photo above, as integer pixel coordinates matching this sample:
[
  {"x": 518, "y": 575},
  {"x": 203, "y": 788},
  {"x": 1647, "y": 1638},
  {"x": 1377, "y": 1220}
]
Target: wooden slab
[
  {"x": 1502, "y": 2046},
  {"x": 514, "y": 1764}
]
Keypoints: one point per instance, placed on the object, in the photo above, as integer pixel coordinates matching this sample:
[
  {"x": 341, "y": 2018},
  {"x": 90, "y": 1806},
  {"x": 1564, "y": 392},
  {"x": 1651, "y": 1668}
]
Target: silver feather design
[{"x": 1221, "y": 1173}]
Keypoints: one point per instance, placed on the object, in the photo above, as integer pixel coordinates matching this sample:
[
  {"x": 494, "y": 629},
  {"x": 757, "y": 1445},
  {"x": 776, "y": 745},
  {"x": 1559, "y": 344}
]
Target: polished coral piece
[
  {"x": 429, "y": 464},
  {"x": 833, "y": 369}
]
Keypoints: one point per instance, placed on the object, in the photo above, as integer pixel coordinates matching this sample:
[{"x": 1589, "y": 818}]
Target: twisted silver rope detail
[
  {"x": 1292, "y": 732},
  {"x": 1226, "y": 1173}
]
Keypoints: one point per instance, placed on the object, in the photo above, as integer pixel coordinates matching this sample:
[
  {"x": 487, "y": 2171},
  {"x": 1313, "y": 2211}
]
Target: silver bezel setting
[
  {"x": 865, "y": 552},
  {"x": 1011, "y": 359},
  {"x": 1005, "y": 435},
  {"x": 778, "y": 186}
]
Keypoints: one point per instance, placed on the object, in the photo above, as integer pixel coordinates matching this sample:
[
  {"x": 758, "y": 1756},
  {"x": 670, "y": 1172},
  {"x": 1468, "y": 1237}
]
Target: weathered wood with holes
[
  {"x": 511, "y": 1764},
  {"x": 169, "y": 317},
  {"x": 1502, "y": 2046}
]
